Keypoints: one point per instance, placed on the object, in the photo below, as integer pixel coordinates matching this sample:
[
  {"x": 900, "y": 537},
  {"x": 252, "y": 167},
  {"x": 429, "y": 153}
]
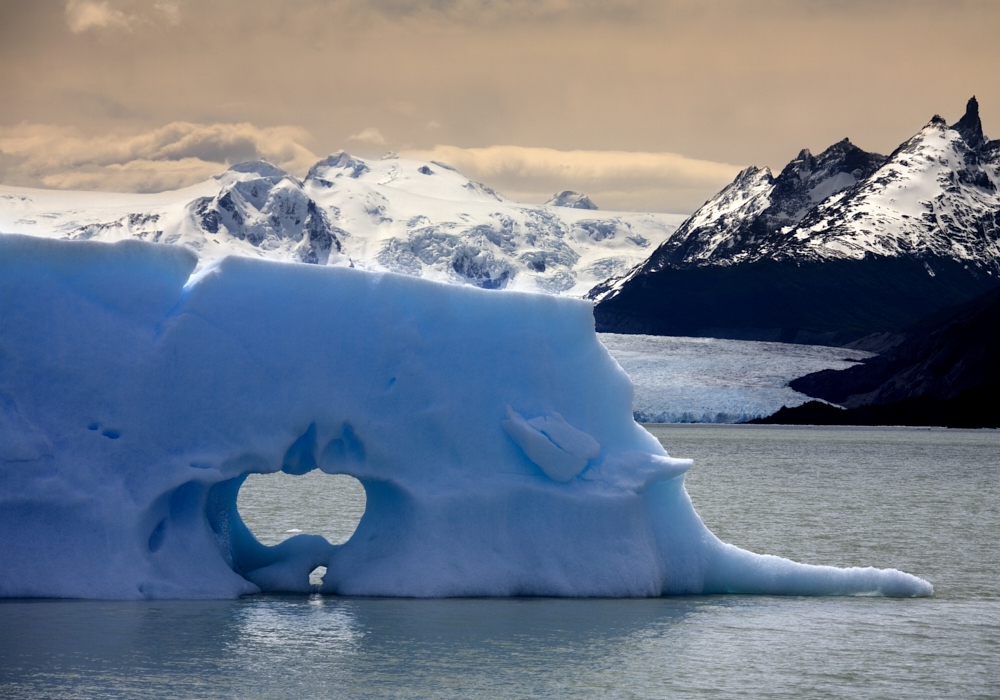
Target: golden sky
[{"x": 642, "y": 104}]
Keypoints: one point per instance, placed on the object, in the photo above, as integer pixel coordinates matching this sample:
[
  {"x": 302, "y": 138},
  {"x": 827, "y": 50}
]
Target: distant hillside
[
  {"x": 835, "y": 248},
  {"x": 946, "y": 372}
]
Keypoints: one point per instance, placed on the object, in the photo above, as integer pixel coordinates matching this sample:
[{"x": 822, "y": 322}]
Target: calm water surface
[{"x": 925, "y": 501}]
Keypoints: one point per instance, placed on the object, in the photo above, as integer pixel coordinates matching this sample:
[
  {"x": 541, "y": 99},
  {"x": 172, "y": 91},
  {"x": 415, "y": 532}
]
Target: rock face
[
  {"x": 836, "y": 247},
  {"x": 748, "y": 219},
  {"x": 946, "y": 372}
]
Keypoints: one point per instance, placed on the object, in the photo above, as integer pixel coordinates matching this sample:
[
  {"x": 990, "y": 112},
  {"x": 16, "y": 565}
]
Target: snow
[
  {"x": 137, "y": 397},
  {"x": 394, "y": 214},
  {"x": 936, "y": 195},
  {"x": 710, "y": 380},
  {"x": 930, "y": 197},
  {"x": 571, "y": 199}
]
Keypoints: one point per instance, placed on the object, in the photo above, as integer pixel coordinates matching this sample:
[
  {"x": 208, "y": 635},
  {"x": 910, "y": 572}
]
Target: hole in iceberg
[
  {"x": 278, "y": 506},
  {"x": 316, "y": 576}
]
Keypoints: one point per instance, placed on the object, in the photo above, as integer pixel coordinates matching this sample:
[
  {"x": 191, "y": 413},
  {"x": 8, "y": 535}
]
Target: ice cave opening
[{"x": 278, "y": 506}]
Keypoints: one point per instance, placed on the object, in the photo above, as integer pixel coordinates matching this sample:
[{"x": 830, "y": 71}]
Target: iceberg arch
[{"x": 492, "y": 432}]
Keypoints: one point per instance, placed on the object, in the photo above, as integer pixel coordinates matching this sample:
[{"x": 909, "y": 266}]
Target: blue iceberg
[{"x": 492, "y": 432}]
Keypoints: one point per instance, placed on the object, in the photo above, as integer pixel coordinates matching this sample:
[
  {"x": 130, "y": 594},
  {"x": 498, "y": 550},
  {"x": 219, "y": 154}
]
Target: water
[
  {"x": 925, "y": 501},
  {"x": 278, "y": 506}
]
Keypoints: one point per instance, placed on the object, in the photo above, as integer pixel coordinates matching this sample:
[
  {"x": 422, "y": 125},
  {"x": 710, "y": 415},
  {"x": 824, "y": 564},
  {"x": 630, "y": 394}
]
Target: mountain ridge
[
  {"x": 386, "y": 215},
  {"x": 933, "y": 202}
]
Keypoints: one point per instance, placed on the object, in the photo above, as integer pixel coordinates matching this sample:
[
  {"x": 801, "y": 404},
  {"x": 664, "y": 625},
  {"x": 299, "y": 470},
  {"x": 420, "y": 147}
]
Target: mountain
[
  {"x": 837, "y": 247},
  {"x": 390, "y": 214},
  {"x": 946, "y": 372},
  {"x": 260, "y": 204},
  {"x": 573, "y": 200}
]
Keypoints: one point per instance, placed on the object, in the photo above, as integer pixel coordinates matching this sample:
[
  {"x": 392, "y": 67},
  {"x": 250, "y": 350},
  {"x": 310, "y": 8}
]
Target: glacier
[
  {"x": 492, "y": 432},
  {"x": 715, "y": 380}
]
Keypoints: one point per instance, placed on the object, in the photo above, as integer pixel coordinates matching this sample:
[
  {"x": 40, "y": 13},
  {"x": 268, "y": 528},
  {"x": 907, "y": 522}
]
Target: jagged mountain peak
[
  {"x": 840, "y": 244},
  {"x": 936, "y": 194},
  {"x": 750, "y": 216},
  {"x": 572, "y": 200},
  {"x": 970, "y": 126},
  {"x": 752, "y": 173},
  {"x": 841, "y": 157}
]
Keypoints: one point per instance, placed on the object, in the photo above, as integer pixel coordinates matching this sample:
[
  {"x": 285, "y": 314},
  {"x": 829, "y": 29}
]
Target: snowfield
[
  {"x": 397, "y": 215},
  {"x": 709, "y": 380}
]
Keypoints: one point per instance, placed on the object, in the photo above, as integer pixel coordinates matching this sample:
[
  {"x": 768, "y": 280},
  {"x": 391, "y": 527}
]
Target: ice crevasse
[{"x": 492, "y": 432}]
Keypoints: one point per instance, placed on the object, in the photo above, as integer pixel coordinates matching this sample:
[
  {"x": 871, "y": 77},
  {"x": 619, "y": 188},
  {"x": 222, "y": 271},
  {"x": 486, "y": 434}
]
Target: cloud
[
  {"x": 615, "y": 179},
  {"x": 134, "y": 176},
  {"x": 487, "y": 11},
  {"x": 89, "y": 15},
  {"x": 170, "y": 9},
  {"x": 175, "y": 155},
  {"x": 370, "y": 135},
  {"x": 594, "y": 166},
  {"x": 82, "y": 15}
]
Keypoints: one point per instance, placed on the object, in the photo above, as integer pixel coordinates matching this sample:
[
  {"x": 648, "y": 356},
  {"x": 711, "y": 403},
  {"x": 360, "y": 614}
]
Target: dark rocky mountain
[
  {"x": 836, "y": 248},
  {"x": 749, "y": 218},
  {"x": 946, "y": 372}
]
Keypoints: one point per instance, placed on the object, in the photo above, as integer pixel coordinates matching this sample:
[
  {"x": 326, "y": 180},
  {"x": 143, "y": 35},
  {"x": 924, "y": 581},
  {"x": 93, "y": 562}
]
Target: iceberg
[{"x": 492, "y": 432}]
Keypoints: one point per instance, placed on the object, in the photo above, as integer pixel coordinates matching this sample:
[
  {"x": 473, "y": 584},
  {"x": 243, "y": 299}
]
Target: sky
[{"x": 649, "y": 105}]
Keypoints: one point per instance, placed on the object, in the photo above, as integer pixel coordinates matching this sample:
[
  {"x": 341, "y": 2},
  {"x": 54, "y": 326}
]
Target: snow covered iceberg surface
[{"x": 493, "y": 434}]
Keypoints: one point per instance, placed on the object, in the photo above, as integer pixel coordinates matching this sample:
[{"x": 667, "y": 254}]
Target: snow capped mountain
[
  {"x": 929, "y": 209},
  {"x": 406, "y": 216},
  {"x": 935, "y": 195},
  {"x": 573, "y": 200},
  {"x": 262, "y": 205},
  {"x": 750, "y": 218}
]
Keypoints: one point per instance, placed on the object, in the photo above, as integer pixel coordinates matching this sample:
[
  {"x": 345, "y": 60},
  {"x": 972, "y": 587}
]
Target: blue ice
[{"x": 492, "y": 432}]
